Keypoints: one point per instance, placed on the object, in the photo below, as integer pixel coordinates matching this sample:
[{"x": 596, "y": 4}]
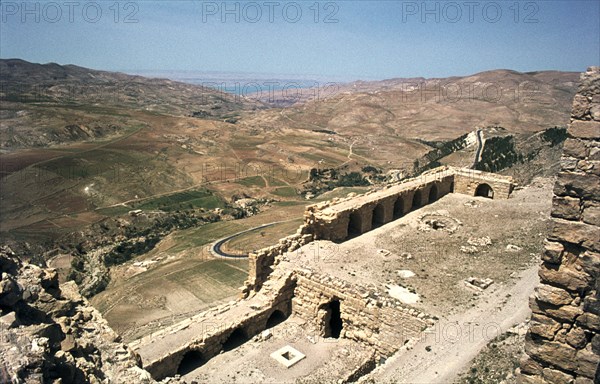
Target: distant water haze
[{"x": 245, "y": 82}]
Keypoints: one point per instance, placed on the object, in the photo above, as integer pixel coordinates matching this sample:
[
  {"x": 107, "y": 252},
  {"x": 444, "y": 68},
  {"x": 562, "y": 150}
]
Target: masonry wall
[
  {"x": 384, "y": 325},
  {"x": 467, "y": 182},
  {"x": 563, "y": 344},
  {"x": 217, "y": 325},
  {"x": 337, "y": 228}
]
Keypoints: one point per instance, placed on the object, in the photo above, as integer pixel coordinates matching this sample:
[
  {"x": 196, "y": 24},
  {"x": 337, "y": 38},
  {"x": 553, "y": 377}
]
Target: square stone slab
[{"x": 288, "y": 356}]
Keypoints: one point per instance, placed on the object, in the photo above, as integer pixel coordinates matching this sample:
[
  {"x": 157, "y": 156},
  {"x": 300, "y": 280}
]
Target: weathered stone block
[
  {"x": 590, "y": 261},
  {"x": 526, "y": 379},
  {"x": 590, "y": 321},
  {"x": 552, "y": 295},
  {"x": 566, "y": 208},
  {"x": 530, "y": 366},
  {"x": 575, "y": 148},
  {"x": 578, "y": 233},
  {"x": 587, "y": 362},
  {"x": 566, "y": 313},
  {"x": 585, "y": 129},
  {"x": 581, "y": 106},
  {"x": 552, "y": 252},
  {"x": 591, "y": 214},
  {"x": 565, "y": 276},
  {"x": 556, "y": 377},
  {"x": 591, "y": 304},
  {"x": 596, "y": 344},
  {"x": 584, "y": 380},
  {"x": 577, "y": 185},
  {"x": 551, "y": 352},
  {"x": 576, "y": 338},
  {"x": 543, "y": 326}
]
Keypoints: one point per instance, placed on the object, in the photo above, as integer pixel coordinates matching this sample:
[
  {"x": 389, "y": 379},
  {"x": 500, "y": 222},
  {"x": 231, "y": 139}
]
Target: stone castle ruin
[
  {"x": 307, "y": 284},
  {"x": 294, "y": 280},
  {"x": 291, "y": 279}
]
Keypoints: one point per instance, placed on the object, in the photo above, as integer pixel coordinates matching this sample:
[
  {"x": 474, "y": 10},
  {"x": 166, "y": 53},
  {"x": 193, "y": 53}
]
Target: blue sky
[{"x": 360, "y": 40}]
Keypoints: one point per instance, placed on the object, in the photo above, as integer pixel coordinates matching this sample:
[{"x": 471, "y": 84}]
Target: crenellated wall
[{"x": 563, "y": 343}]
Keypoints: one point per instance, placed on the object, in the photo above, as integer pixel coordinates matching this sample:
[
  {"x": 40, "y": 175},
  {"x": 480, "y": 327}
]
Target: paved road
[
  {"x": 479, "y": 148},
  {"x": 215, "y": 248}
]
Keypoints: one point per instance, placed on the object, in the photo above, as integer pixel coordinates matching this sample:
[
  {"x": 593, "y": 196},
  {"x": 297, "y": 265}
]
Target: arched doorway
[
  {"x": 277, "y": 317},
  {"x": 332, "y": 321},
  {"x": 452, "y": 187},
  {"x": 191, "y": 360},
  {"x": 433, "y": 194},
  {"x": 416, "y": 201},
  {"x": 484, "y": 190},
  {"x": 355, "y": 224},
  {"x": 398, "y": 208},
  {"x": 378, "y": 216},
  {"x": 235, "y": 339}
]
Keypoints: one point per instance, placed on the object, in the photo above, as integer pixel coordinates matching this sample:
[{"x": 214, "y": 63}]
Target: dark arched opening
[
  {"x": 398, "y": 208},
  {"x": 433, "y": 194},
  {"x": 416, "y": 202},
  {"x": 191, "y": 360},
  {"x": 378, "y": 216},
  {"x": 452, "y": 187},
  {"x": 332, "y": 321},
  {"x": 277, "y": 317},
  {"x": 355, "y": 224},
  {"x": 484, "y": 190},
  {"x": 236, "y": 339}
]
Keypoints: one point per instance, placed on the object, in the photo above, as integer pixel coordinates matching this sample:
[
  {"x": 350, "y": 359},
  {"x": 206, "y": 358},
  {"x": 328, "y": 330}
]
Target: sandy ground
[{"x": 447, "y": 349}]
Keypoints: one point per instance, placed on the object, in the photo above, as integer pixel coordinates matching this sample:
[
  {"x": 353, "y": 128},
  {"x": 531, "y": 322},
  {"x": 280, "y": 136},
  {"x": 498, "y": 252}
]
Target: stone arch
[
  {"x": 433, "y": 194},
  {"x": 332, "y": 321},
  {"x": 484, "y": 190},
  {"x": 417, "y": 198},
  {"x": 277, "y": 317},
  {"x": 398, "y": 207},
  {"x": 192, "y": 360},
  {"x": 355, "y": 224},
  {"x": 378, "y": 218},
  {"x": 235, "y": 339}
]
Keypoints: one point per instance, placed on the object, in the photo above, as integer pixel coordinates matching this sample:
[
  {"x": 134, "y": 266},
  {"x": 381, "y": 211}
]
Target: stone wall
[
  {"x": 472, "y": 182},
  {"x": 386, "y": 325},
  {"x": 340, "y": 219},
  {"x": 563, "y": 344},
  {"x": 206, "y": 333},
  {"x": 260, "y": 262}
]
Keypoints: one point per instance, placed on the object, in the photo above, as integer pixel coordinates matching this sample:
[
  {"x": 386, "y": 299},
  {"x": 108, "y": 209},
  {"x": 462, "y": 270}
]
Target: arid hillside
[
  {"x": 49, "y": 104},
  {"x": 429, "y": 109}
]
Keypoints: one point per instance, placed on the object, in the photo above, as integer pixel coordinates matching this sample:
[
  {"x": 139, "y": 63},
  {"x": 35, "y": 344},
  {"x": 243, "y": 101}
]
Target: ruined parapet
[
  {"x": 563, "y": 344},
  {"x": 260, "y": 262},
  {"x": 206, "y": 334},
  {"x": 382, "y": 323}
]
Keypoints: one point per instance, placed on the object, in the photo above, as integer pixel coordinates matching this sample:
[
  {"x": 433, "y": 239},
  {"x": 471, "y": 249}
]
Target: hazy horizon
[{"x": 349, "y": 40}]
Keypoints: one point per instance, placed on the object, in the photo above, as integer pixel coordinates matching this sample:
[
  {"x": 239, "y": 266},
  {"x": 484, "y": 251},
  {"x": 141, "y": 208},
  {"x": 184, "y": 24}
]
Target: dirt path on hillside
[{"x": 446, "y": 350}]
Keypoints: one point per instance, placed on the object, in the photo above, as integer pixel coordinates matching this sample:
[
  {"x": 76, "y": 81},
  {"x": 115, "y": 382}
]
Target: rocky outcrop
[
  {"x": 563, "y": 343},
  {"x": 50, "y": 333}
]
